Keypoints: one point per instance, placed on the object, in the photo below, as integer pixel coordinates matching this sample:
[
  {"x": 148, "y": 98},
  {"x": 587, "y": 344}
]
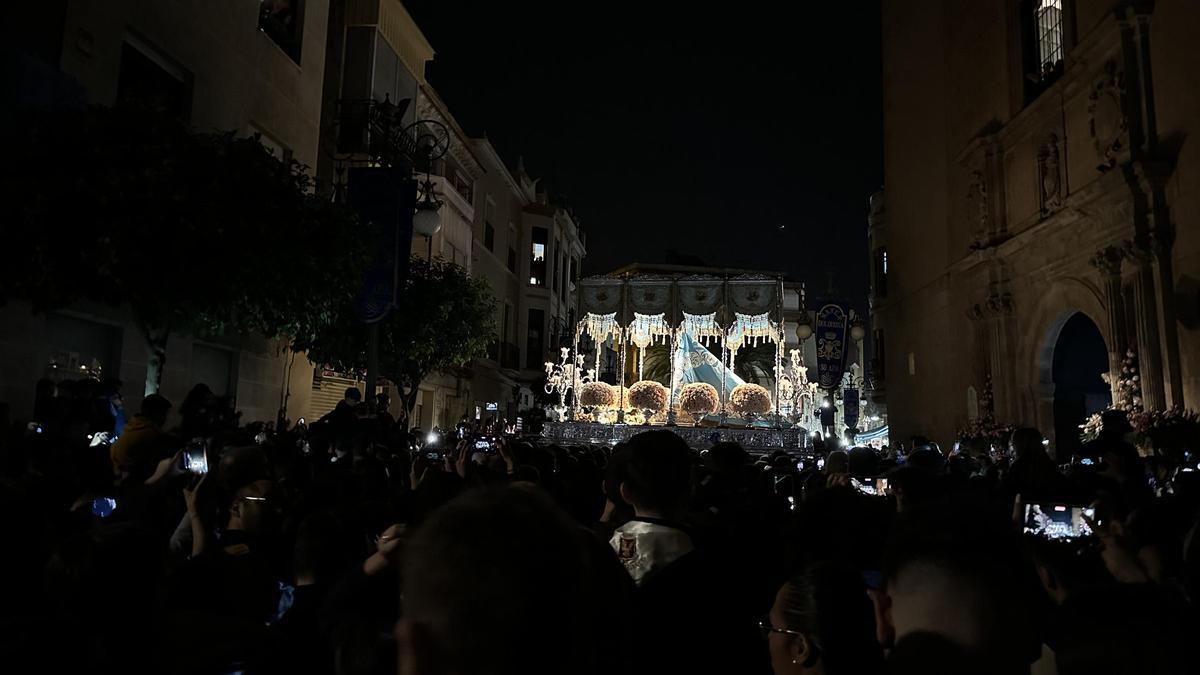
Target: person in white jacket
[{"x": 657, "y": 483}]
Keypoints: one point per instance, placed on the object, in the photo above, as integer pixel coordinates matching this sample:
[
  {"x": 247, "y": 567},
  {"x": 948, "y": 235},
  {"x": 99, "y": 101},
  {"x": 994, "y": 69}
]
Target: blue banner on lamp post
[{"x": 830, "y": 332}]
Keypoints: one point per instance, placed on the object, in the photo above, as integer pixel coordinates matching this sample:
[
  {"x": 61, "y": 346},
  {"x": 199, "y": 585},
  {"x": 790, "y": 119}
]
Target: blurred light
[
  {"x": 431, "y": 438},
  {"x": 825, "y": 404}
]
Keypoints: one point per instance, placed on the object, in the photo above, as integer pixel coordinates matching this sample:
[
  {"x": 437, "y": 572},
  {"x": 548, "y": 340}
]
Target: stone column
[
  {"x": 1108, "y": 262},
  {"x": 1145, "y": 309},
  {"x": 1000, "y": 326}
]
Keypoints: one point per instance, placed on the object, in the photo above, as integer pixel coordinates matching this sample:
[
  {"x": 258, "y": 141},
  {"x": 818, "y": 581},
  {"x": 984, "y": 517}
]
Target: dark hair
[
  {"x": 352, "y": 392},
  {"x": 499, "y": 580},
  {"x": 1027, "y": 441},
  {"x": 828, "y": 603},
  {"x": 658, "y": 472},
  {"x": 155, "y": 406}
]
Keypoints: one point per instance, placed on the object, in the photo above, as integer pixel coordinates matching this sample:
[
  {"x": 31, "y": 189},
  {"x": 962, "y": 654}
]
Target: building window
[
  {"x": 150, "y": 79},
  {"x": 489, "y": 236},
  {"x": 1048, "y": 23},
  {"x": 283, "y": 22},
  {"x": 1045, "y": 32},
  {"x": 537, "y": 257},
  {"x": 881, "y": 270},
  {"x": 462, "y": 184},
  {"x": 535, "y": 346},
  {"x": 554, "y": 270},
  {"x": 272, "y": 144}
]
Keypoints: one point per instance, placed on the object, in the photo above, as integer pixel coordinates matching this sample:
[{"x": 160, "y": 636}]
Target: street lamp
[
  {"x": 426, "y": 221},
  {"x": 857, "y": 330},
  {"x": 804, "y": 329}
]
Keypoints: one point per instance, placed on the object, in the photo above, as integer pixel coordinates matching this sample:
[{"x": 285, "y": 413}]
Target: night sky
[{"x": 744, "y": 136}]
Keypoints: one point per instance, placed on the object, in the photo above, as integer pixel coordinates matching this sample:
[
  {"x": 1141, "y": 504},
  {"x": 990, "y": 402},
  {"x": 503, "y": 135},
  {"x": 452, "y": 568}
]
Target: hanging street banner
[
  {"x": 850, "y": 406},
  {"x": 385, "y": 196},
  {"x": 831, "y": 332}
]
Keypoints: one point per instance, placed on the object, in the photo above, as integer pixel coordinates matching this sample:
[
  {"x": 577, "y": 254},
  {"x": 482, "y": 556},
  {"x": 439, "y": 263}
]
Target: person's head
[
  {"x": 352, "y": 397},
  {"x": 912, "y": 487},
  {"x": 952, "y": 569},
  {"x": 496, "y": 583},
  {"x": 155, "y": 409},
  {"x": 657, "y": 478},
  {"x": 255, "y": 508},
  {"x": 382, "y": 401},
  {"x": 1026, "y": 443},
  {"x": 1114, "y": 423},
  {"x": 837, "y": 462},
  {"x": 726, "y": 457},
  {"x": 862, "y": 461},
  {"x": 1066, "y": 568},
  {"x": 822, "y": 622}
]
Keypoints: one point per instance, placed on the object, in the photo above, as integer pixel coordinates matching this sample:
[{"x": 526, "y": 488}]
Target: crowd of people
[{"x": 184, "y": 541}]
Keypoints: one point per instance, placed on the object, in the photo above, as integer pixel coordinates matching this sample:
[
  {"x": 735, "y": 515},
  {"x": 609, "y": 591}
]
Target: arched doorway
[{"x": 1080, "y": 358}]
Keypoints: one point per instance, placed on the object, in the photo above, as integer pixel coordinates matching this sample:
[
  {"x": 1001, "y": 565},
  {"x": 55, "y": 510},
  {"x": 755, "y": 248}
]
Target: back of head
[
  {"x": 862, "y": 461},
  {"x": 658, "y": 471},
  {"x": 155, "y": 407},
  {"x": 494, "y": 583},
  {"x": 1027, "y": 443},
  {"x": 828, "y": 603},
  {"x": 837, "y": 462},
  {"x": 726, "y": 456},
  {"x": 955, "y": 569}
]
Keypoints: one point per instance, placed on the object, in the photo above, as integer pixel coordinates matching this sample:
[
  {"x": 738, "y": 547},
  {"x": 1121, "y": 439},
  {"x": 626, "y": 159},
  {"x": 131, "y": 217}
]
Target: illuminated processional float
[{"x": 702, "y": 322}]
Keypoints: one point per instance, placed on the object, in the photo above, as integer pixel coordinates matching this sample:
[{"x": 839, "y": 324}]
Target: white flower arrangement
[
  {"x": 597, "y": 395},
  {"x": 648, "y": 395},
  {"x": 699, "y": 398},
  {"x": 750, "y": 399}
]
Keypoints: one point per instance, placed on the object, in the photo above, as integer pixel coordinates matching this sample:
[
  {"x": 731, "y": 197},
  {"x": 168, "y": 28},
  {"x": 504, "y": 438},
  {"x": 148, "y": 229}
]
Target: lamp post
[
  {"x": 426, "y": 221},
  {"x": 384, "y": 154}
]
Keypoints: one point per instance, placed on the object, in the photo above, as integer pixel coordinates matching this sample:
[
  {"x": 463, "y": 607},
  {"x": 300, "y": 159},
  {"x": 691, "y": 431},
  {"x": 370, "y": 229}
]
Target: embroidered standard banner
[{"x": 831, "y": 345}]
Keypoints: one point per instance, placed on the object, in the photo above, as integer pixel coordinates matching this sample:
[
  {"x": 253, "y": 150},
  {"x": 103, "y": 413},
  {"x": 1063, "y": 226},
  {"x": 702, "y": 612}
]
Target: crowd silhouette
[{"x": 186, "y": 541}]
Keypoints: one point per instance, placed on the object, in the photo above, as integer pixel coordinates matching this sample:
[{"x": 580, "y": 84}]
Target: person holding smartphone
[{"x": 144, "y": 442}]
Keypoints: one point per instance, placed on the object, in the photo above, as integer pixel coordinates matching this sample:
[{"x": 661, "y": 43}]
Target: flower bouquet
[
  {"x": 750, "y": 400},
  {"x": 699, "y": 399},
  {"x": 648, "y": 396},
  {"x": 595, "y": 395}
]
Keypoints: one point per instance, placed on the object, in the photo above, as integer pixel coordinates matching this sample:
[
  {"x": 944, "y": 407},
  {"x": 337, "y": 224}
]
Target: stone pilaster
[
  {"x": 1145, "y": 309},
  {"x": 1108, "y": 262}
]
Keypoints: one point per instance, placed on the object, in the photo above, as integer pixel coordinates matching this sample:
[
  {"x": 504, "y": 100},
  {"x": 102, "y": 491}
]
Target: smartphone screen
[
  {"x": 874, "y": 487},
  {"x": 433, "y": 455},
  {"x": 484, "y": 444},
  {"x": 1087, "y": 461},
  {"x": 102, "y": 507},
  {"x": 195, "y": 458},
  {"x": 1062, "y": 522}
]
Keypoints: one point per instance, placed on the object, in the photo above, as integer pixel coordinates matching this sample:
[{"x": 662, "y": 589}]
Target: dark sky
[{"x": 699, "y": 132}]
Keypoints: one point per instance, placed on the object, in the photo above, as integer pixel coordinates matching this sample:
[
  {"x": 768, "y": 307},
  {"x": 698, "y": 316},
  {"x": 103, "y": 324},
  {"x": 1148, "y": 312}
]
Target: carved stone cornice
[
  {"x": 996, "y": 305},
  {"x": 1108, "y": 260}
]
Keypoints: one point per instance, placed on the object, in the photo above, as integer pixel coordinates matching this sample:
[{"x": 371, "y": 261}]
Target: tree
[
  {"x": 443, "y": 318},
  {"x": 201, "y": 233}
]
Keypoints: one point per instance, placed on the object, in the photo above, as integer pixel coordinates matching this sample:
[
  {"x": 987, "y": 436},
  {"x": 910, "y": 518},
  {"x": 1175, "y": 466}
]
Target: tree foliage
[
  {"x": 443, "y": 318},
  {"x": 202, "y": 233}
]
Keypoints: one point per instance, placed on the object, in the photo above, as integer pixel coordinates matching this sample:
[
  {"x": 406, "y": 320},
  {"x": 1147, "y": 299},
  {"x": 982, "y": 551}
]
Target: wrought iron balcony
[{"x": 375, "y": 131}]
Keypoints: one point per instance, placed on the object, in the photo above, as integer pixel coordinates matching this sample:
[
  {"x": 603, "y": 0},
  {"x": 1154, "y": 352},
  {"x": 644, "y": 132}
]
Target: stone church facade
[{"x": 1042, "y": 194}]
